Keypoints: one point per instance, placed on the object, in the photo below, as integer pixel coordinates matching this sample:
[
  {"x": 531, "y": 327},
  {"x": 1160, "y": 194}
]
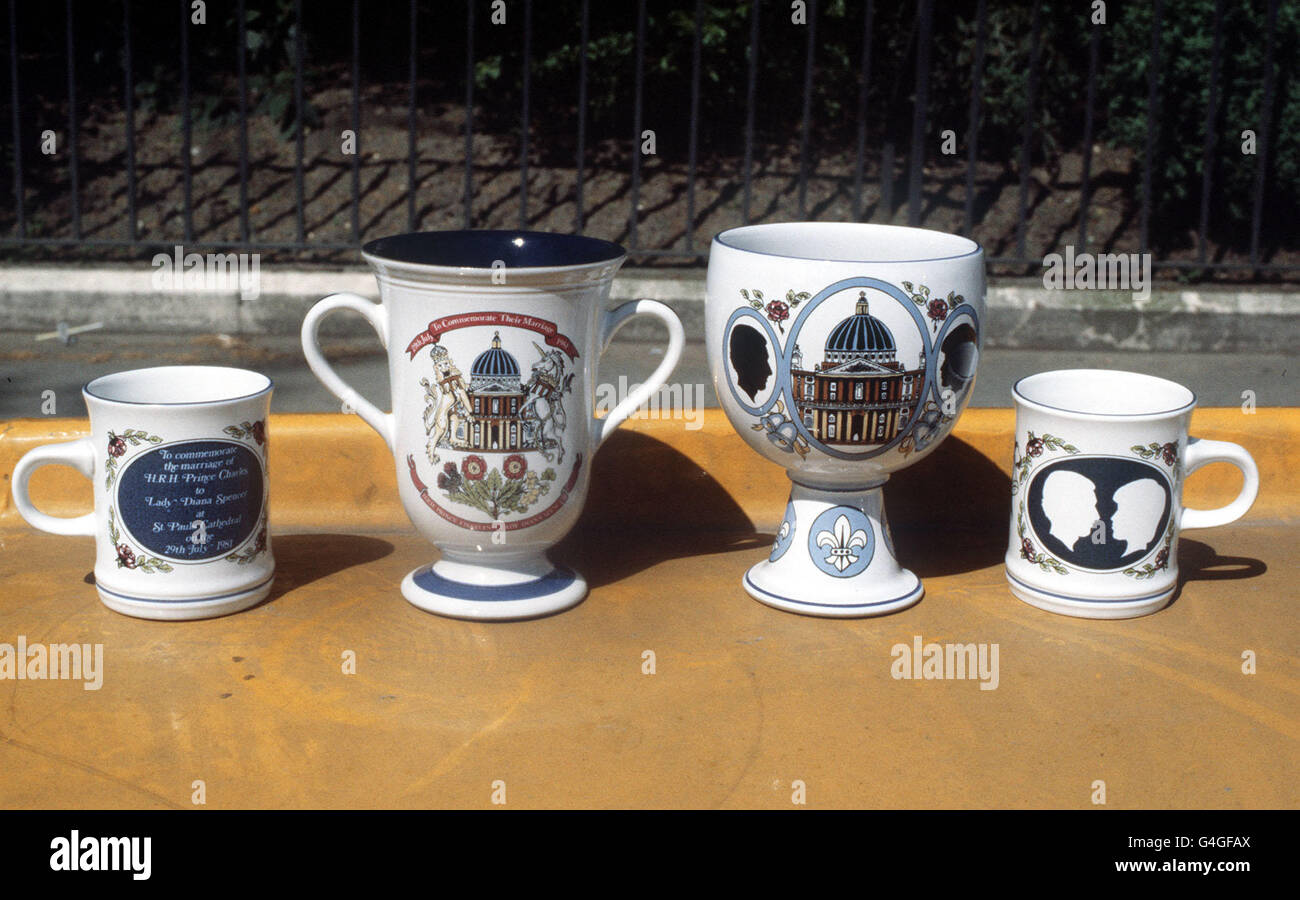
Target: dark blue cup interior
[{"x": 481, "y": 249}]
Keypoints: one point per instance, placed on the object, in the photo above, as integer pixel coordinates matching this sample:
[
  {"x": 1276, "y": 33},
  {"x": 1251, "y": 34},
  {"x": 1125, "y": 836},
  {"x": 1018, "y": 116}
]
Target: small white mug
[
  {"x": 177, "y": 458},
  {"x": 1098, "y": 466}
]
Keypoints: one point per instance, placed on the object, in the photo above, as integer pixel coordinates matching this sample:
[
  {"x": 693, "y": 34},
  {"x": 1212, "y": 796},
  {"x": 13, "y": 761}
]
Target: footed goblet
[{"x": 843, "y": 352}]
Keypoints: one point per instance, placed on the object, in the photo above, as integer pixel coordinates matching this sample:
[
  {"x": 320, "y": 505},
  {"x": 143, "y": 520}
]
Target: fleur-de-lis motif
[{"x": 842, "y": 541}]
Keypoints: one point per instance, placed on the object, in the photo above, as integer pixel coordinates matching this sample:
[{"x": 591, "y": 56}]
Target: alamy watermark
[
  {"x": 922, "y": 661},
  {"x": 186, "y": 272},
  {"x": 671, "y": 401},
  {"x": 21, "y": 661},
  {"x": 1098, "y": 272}
]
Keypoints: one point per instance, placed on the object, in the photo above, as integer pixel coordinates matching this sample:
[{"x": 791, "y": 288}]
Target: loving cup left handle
[
  {"x": 377, "y": 316},
  {"x": 612, "y": 321}
]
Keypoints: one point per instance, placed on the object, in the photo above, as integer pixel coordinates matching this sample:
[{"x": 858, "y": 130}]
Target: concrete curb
[{"x": 1022, "y": 313}]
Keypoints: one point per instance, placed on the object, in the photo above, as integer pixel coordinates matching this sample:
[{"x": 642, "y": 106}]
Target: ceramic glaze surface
[
  {"x": 842, "y": 352},
  {"x": 494, "y": 340},
  {"x": 843, "y": 371},
  {"x": 1097, "y": 496},
  {"x": 177, "y": 458}
]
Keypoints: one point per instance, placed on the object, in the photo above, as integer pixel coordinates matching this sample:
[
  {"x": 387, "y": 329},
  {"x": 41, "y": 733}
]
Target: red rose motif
[
  {"x": 1169, "y": 452},
  {"x": 474, "y": 467},
  {"x": 116, "y": 446},
  {"x": 515, "y": 466},
  {"x": 1162, "y": 559},
  {"x": 1034, "y": 447},
  {"x": 261, "y": 541},
  {"x": 259, "y": 432},
  {"x": 1027, "y": 549},
  {"x": 938, "y": 309},
  {"x": 778, "y": 310},
  {"x": 125, "y": 558}
]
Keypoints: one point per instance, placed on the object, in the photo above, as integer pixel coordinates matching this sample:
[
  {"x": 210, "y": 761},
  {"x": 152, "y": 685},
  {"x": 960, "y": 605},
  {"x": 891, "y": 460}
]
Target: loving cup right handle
[{"x": 377, "y": 316}]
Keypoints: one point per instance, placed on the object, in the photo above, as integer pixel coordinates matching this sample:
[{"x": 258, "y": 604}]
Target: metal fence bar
[
  {"x": 751, "y": 97},
  {"x": 973, "y": 116},
  {"x": 925, "y": 17},
  {"x": 21, "y": 220},
  {"x": 581, "y": 154},
  {"x": 73, "y": 171},
  {"x": 1207, "y": 153},
  {"x": 467, "y": 202},
  {"x": 241, "y": 62},
  {"x": 692, "y": 151},
  {"x": 807, "y": 108},
  {"x": 299, "y": 193},
  {"x": 1265, "y": 113},
  {"x": 187, "y": 126},
  {"x": 1153, "y": 122},
  {"x": 1031, "y": 108},
  {"x": 526, "y": 114},
  {"x": 411, "y": 150},
  {"x": 637, "y": 110},
  {"x": 128, "y": 102},
  {"x": 864, "y": 85},
  {"x": 356, "y": 120},
  {"x": 1089, "y": 115}
]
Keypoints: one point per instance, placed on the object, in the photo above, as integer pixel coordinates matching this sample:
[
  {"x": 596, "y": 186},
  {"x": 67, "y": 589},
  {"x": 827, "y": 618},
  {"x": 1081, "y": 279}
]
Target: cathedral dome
[
  {"x": 860, "y": 335},
  {"x": 494, "y": 362}
]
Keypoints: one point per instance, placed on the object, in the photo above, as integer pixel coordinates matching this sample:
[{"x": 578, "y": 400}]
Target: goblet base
[
  {"x": 526, "y": 590},
  {"x": 834, "y": 557}
]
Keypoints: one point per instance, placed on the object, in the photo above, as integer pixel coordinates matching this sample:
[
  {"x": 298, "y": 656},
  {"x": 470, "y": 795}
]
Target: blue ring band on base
[
  {"x": 1094, "y": 600},
  {"x": 556, "y": 580},
  {"x": 134, "y": 599}
]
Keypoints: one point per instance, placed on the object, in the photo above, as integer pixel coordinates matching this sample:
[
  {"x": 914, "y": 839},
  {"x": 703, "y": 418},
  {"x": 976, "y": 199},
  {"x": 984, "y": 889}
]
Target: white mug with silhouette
[{"x": 1098, "y": 466}]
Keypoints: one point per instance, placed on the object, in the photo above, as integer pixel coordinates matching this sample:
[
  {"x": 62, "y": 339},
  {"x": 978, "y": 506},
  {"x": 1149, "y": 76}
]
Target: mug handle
[
  {"x": 377, "y": 316},
  {"x": 611, "y": 322},
  {"x": 1201, "y": 453},
  {"x": 80, "y": 455}
]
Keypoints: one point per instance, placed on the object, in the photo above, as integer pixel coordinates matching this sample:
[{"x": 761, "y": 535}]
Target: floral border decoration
[
  {"x": 1168, "y": 454},
  {"x": 777, "y": 311},
  {"x": 1035, "y": 446},
  {"x": 936, "y": 308},
  {"x": 127, "y": 558},
  {"x": 254, "y": 550},
  {"x": 254, "y": 431},
  {"x": 117, "y": 449},
  {"x": 511, "y": 488}
]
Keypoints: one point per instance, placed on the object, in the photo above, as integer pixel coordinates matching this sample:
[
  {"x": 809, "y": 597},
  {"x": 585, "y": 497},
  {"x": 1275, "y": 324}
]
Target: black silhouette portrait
[
  {"x": 749, "y": 359},
  {"x": 960, "y": 350},
  {"x": 1099, "y": 513}
]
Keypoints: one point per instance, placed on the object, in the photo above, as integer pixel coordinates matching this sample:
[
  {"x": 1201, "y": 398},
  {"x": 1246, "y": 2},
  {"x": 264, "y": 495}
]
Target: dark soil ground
[{"x": 661, "y": 224}]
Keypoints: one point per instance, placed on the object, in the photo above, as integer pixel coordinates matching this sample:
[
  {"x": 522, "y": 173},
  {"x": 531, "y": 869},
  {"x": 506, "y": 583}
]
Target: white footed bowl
[{"x": 842, "y": 352}]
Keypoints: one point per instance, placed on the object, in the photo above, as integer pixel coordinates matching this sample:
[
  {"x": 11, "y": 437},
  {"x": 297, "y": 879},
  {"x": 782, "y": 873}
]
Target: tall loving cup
[
  {"x": 1098, "y": 467},
  {"x": 494, "y": 340}
]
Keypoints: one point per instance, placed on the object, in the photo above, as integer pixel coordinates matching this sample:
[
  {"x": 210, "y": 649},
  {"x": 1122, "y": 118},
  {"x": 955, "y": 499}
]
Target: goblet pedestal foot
[
  {"x": 523, "y": 589},
  {"x": 833, "y": 556}
]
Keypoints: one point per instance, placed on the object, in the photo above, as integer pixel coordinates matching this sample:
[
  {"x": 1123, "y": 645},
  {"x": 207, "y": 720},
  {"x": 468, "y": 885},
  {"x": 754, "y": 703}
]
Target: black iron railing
[{"x": 869, "y": 170}]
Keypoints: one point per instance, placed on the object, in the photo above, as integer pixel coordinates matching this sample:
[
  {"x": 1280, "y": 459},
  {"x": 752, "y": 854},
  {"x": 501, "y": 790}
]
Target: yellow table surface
[{"x": 745, "y": 701}]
